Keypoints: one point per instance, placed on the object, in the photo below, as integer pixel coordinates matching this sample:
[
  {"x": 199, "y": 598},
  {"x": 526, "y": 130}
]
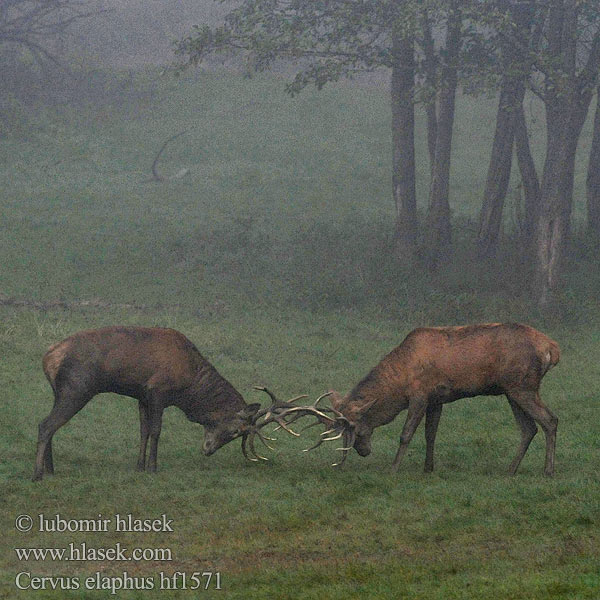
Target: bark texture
[
  {"x": 567, "y": 97},
  {"x": 529, "y": 176},
  {"x": 403, "y": 133},
  {"x": 516, "y": 67},
  {"x": 498, "y": 176},
  {"x": 593, "y": 179},
  {"x": 438, "y": 244}
]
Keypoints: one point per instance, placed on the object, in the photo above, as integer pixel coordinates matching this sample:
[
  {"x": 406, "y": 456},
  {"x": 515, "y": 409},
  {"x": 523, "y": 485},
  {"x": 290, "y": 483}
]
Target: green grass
[{"x": 273, "y": 257}]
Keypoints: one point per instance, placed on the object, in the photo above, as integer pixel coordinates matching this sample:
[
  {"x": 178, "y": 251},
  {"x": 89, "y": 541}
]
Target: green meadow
[{"x": 274, "y": 256}]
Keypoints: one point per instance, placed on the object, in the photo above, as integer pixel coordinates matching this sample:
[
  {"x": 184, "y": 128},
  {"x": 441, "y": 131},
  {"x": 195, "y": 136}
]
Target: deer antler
[
  {"x": 286, "y": 413},
  {"x": 339, "y": 427},
  {"x": 271, "y": 414}
]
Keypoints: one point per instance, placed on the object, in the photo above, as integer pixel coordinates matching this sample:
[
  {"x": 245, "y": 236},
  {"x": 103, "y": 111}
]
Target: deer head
[
  {"x": 223, "y": 432},
  {"x": 358, "y": 428}
]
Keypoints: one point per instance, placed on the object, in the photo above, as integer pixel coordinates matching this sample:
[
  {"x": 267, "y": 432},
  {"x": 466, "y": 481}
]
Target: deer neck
[
  {"x": 212, "y": 399},
  {"x": 378, "y": 398}
]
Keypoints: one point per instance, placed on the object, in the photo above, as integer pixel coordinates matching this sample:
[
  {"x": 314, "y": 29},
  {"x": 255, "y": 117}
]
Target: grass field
[{"x": 272, "y": 257}]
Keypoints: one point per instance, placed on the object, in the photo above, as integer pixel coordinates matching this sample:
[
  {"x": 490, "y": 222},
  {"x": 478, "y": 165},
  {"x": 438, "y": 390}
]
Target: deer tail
[
  {"x": 52, "y": 361},
  {"x": 551, "y": 355}
]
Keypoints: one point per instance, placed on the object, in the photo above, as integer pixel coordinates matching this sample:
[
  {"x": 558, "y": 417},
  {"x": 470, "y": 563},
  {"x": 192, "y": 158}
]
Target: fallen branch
[
  {"x": 156, "y": 176},
  {"x": 69, "y": 304}
]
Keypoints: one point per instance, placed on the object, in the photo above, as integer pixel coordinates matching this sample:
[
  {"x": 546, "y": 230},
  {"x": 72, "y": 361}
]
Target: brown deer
[
  {"x": 160, "y": 368},
  {"x": 436, "y": 365}
]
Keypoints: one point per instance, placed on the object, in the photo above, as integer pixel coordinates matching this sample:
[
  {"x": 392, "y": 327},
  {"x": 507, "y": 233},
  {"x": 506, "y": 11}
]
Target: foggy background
[
  {"x": 267, "y": 232},
  {"x": 137, "y": 33}
]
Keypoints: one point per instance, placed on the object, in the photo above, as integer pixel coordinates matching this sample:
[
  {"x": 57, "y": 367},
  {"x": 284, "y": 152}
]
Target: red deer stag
[
  {"x": 436, "y": 365},
  {"x": 160, "y": 368}
]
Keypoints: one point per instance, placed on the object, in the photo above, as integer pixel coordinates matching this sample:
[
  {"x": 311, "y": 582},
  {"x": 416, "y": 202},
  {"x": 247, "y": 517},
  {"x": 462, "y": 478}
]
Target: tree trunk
[
  {"x": 577, "y": 118},
  {"x": 529, "y": 176},
  {"x": 438, "y": 244},
  {"x": 549, "y": 241},
  {"x": 403, "y": 142},
  {"x": 593, "y": 179},
  {"x": 511, "y": 96},
  {"x": 430, "y": 68},
  {"x": 439, "y": 228},
  {"x": 567, "y": 100},
  {"x": 516, "y": 67},
  {"x": 565, "y": 118},
  {"x": 550, "y": 227}
]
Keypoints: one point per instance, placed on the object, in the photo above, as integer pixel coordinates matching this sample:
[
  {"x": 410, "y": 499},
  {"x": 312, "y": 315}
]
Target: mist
[{"x": 339, "y": 202}]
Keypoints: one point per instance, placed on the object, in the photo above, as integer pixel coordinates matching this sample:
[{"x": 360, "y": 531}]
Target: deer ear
[
  {"x": 249, "y": 411},
  {"x": 335, "y": 398}
]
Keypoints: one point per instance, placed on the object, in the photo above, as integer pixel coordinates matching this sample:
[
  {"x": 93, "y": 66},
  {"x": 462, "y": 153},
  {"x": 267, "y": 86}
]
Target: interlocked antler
[
  {"x": 337, "y": 427},
  {"x": 286, "y": 413},
  {"x": 269, "y": 415}
]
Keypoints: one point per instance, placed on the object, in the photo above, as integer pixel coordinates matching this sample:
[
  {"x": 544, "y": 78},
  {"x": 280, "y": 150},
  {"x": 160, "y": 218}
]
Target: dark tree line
[
  {"x": 553, "y": 48},
  {"x": 550, "y": 48}
]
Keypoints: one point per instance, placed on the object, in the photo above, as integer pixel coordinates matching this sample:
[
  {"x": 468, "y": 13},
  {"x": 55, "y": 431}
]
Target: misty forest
[{"x": 295, "y": 186}]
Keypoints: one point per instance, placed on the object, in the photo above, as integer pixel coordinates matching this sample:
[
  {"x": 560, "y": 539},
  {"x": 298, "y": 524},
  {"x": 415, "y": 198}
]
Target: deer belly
[
  {"x": 445, "y": 394},
  {"x": 126, "y": 389}
]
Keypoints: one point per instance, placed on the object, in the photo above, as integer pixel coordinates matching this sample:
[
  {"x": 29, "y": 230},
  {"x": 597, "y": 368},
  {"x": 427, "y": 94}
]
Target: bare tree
[{"x": 37, "y": 25}]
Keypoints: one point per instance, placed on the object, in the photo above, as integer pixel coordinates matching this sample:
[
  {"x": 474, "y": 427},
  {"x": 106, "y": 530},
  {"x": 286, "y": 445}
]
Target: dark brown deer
[
  {"x": 160, "y": 368},
  {"x": 437, "y": 365}
]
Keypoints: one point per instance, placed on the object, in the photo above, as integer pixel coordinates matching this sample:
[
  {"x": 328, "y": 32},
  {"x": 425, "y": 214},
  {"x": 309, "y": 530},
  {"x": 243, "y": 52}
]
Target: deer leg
[
  {"x": 66, "y": 406},
  {"x": 416, "y": 410},
  {"x": 144, "y": 433},
  {"x": 48, "y": 462},
  {"x": 155, "y": 410},
  {"x": 532, "y": 405},
  {"x": 528, "y": 431},
  {"x": 432, "y": 419}
]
